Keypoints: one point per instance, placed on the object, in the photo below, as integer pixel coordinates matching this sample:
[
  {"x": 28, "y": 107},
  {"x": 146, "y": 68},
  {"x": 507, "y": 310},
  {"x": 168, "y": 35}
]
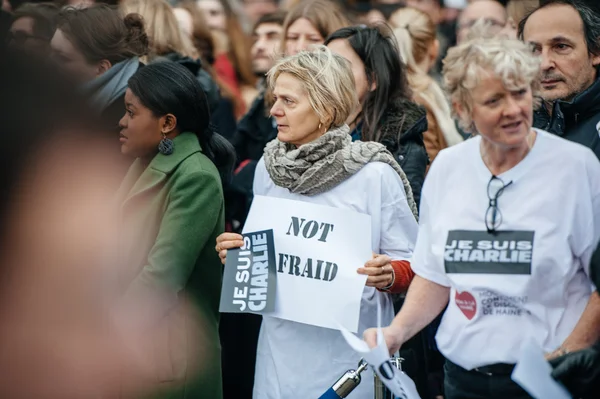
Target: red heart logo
[{"x": 466, "y": 303}]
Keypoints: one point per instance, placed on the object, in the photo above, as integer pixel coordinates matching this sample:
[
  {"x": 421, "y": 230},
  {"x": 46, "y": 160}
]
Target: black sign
[
  {"x": 480, "y": 252},
  {"x": 250, "y": 277}
]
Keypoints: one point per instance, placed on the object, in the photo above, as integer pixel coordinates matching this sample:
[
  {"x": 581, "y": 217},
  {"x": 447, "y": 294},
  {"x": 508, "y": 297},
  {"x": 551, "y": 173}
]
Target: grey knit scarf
[{"x": 322, "y": 164}]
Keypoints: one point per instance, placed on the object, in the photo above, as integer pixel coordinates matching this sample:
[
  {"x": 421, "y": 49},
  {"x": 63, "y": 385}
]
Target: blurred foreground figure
[{"x": 57, "y": 338}]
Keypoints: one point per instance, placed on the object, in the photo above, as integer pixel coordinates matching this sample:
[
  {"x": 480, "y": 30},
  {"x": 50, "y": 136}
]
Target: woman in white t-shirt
[
  {"x": 508, "y": 222},
  {"x": 314, "y": 160}
]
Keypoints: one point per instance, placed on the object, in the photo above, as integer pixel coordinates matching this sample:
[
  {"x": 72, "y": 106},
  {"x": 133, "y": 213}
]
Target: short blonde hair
[
  {"x": 510, "y": 59},
  {"x": 327, "y": 79}
]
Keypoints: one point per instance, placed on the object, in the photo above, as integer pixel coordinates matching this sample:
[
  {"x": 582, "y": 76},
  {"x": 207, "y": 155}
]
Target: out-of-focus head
[
  {"x": 566, "y": 35},
  {"x": 305, "y": 86},
  {"x": 89, "y": 41},
  {"x": 56, "y": 234},
  {"x": 162, "y": 99},
  {"x": 255, "y": 9},
  {"x": 377, "y": 13},
  {"x": 309, "y": 23},
  {"x": 184, "y": 18},
  {"x": 490, "y": 11},
  {"x": 191, "y": 17},
  {"x": 33, "y": 25},
  {"x": 433, "y": 8},
  {"x": 416, "y": 35},
  {"x": 161, "y": 27},
  {"x": 518, "y": 9},
  {"x": 267, "y": 35},
  {"x": 492, "y": 84},
  {"x": 215, "y": 13}
]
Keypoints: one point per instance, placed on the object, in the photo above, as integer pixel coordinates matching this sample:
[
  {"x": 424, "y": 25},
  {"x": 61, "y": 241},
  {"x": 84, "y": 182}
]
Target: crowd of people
[{"x": 139, "y": 132}]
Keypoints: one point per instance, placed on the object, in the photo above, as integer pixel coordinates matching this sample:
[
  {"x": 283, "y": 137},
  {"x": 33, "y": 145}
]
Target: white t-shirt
[
  {"x": 533, "y": 281},
  {"x": 296, "y": 360}
]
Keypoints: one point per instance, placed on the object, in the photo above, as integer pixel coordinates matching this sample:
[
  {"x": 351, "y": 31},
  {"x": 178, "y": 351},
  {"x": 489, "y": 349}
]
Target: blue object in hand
[{"x": 330, "y": 394}]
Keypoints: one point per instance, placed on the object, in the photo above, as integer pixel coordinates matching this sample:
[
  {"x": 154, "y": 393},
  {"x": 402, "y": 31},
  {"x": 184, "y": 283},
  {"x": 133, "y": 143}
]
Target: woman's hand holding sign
[
  {"x": 227, "y": 241},
  {"x": 379, "y": 271}
]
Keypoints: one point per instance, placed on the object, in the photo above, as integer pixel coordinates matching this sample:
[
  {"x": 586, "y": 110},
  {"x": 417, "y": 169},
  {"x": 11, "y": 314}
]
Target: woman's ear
[
  {"x": 373, "y": 84},
  {"x": 460, "y": 110},
  {"x": 103, "y": 66},
  {"x": 464, "y": 114},
  {"x": 434, "y": 52},
  {"x": 168, "y": 123}
]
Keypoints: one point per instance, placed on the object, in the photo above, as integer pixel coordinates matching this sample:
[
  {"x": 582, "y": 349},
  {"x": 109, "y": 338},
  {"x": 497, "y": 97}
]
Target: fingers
[
  {"x": 230, "y": 237},
  {"x": 378, "y": 261},
  {"x": 228, "y": 241},
  {"x": 386, "y": 269},
  {"x": 378, "y": 277},
  {"x": 379, "y": 281}
]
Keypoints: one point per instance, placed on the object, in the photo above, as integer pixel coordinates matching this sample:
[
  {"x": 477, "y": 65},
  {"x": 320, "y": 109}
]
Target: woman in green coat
[{"x": 171, "y": 206}]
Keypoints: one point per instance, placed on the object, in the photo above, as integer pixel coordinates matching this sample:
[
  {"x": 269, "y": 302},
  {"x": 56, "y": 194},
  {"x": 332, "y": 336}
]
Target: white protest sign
[
  {"x": 533, "y": 374},
  {"x": 395, "y": 380},
  {"x": 318, "y": 249}
]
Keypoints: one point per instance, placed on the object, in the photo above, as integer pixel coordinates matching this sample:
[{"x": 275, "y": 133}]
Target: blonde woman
[
  {"x": 418, "y": 47},
  {"x": 502, "y": 251},
  {"x": 313, "y": 160}
]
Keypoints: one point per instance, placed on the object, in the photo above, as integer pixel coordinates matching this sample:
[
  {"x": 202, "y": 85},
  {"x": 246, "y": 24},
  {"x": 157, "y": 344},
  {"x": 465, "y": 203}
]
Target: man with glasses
[{"x": 33, "y": 26}]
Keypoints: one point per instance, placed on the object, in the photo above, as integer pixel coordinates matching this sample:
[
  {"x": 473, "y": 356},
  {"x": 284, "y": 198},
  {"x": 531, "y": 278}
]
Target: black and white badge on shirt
[{"x": 502, "y": 252}]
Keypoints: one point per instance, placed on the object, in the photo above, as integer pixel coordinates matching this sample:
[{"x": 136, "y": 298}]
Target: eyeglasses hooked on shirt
[{"x": 493, "y": 216}]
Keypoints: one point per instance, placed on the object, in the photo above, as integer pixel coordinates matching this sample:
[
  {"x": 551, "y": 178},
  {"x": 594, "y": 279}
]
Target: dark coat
[
  {"x": 221, "y": 109},
  {"x": 402, "y": 131},
  {"x": 577, "y": 120},
  {"x": 173, "y": 210},
  {"x": 254, "y": 131},
  {"x": 195, "y": 67}
]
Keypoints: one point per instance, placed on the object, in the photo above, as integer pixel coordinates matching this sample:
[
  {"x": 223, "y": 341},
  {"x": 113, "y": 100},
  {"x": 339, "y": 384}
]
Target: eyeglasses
[
  {"x": 494, "y": 23},
  {"x": 493, "y": 216}
]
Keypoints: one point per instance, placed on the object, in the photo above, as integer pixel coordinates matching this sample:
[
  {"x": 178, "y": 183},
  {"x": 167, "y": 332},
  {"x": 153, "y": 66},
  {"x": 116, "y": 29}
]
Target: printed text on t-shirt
[{"x": 481, "y": 252}]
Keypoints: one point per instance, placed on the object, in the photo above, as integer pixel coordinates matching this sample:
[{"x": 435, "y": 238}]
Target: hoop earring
[
  {"x": 165, "y": 146},
  {"x": 320, "y": 125}
]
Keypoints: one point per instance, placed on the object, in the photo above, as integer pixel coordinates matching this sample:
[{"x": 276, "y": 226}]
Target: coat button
[{"x": 401, "y": 157}]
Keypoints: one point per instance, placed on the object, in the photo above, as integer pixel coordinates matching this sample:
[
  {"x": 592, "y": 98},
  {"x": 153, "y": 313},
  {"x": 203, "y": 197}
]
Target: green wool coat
[{"x": 172, "y": 211}]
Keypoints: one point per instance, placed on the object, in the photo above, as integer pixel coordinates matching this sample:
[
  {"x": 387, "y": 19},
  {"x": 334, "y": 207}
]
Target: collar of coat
[
  {"x": 404, "y": 121},
  {"x": 141, "y": 180},
  {"x": 582, "y": 106}
]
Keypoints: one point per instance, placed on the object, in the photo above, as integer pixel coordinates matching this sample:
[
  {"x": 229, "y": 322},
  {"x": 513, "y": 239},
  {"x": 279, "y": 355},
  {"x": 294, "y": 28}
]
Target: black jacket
[
  {"x": 195, "y": 67},
  {"x": 402, "y": 131},
  {"x": 577, "y": 120},
  {"x": 221, "y": 109},
  {"x": 254, "y": 131}
]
